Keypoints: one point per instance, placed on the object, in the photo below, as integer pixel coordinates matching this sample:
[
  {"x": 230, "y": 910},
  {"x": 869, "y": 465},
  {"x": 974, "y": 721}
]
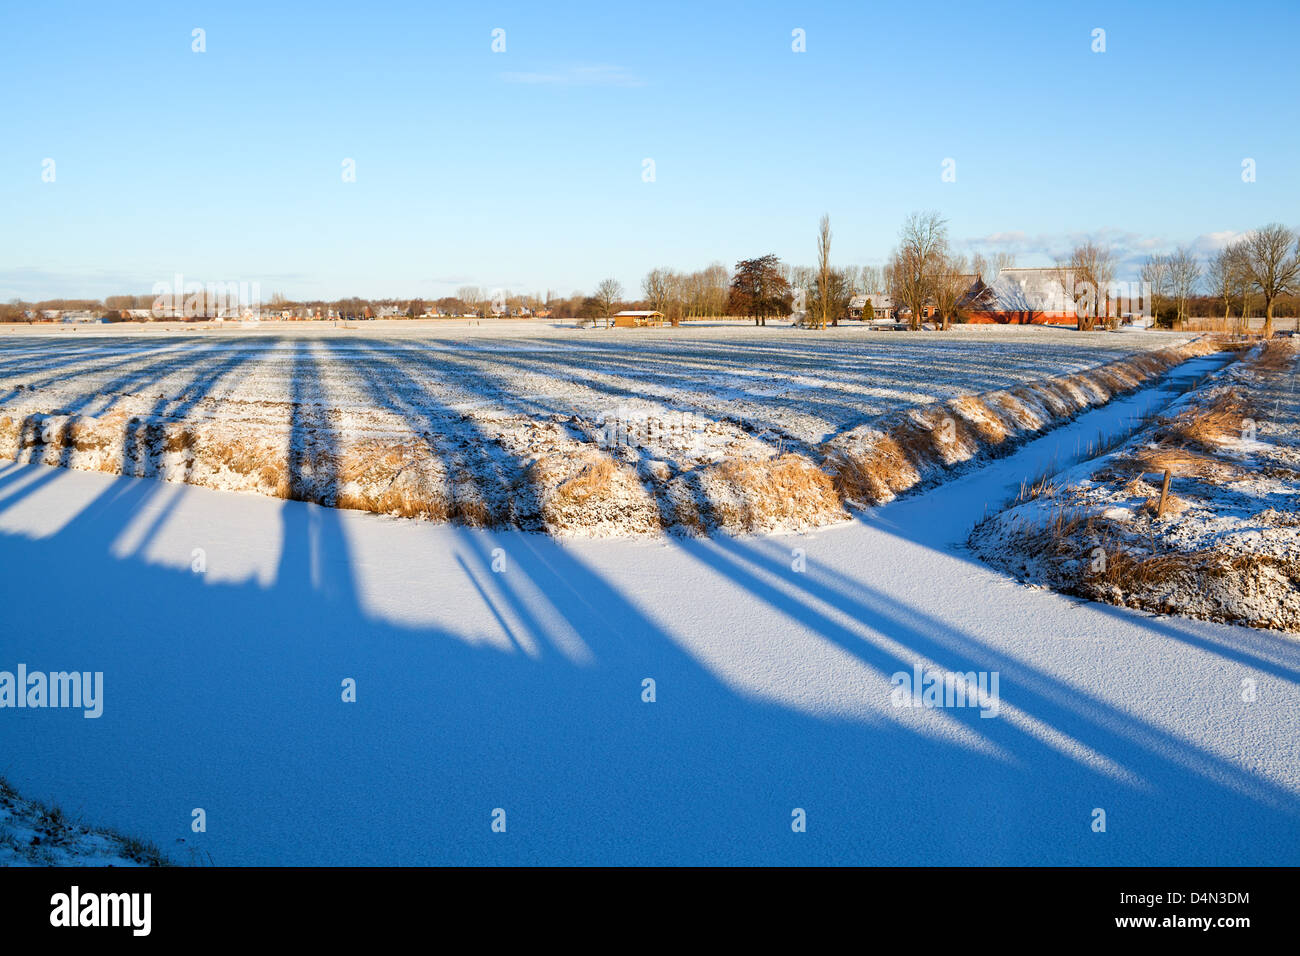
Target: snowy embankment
[
  {"x": 1223, "y": 544},
  {"x": 32, "y": 834},
  {"x": 563, "y": 433},
  {"x": 500, "y": 670}
]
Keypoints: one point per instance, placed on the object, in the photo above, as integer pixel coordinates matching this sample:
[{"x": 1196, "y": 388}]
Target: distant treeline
[{"x": 924, "y": 276}]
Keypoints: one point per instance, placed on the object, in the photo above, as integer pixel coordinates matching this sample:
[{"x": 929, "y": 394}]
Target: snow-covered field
[
  {"x": 501, "y": 675},
  {"x": 513, "y": 424}
]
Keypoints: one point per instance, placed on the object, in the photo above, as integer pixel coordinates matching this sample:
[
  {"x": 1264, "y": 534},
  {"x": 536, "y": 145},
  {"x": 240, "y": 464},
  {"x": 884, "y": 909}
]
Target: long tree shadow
[{"x": 1121, "y": 737}]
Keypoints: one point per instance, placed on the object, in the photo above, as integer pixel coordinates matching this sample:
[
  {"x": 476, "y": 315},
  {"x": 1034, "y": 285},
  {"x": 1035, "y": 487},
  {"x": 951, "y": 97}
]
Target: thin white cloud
[{"x": 1130, "y": 248}]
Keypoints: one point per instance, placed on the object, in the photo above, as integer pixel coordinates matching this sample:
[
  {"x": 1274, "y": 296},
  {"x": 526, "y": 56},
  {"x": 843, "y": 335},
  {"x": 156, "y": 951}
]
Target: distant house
[
  {"x": 1023, "y": 297},
  {"x": 636, "y": 318},
  {"x": 82, "y": 317},
  {"x": 882, "y": 307}
]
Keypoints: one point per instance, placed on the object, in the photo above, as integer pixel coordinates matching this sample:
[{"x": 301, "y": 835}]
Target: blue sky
[{"x": 523, "y": 168}]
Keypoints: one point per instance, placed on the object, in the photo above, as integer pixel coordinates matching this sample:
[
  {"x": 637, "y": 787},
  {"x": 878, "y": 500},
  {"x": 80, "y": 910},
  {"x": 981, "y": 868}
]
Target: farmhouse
[
  {"x": 1022, "y": 297},
  {"x": 882, "y": 306},
  {"x": 638, "y": 318}
]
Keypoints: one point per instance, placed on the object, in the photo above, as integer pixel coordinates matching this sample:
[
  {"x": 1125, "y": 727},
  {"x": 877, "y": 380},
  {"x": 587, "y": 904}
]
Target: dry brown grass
[
  {"x": 1180, "y": 462},
  {"x": 876, "y": 476},
  {"x": 1278, "y": 355},
  {"x": 1173, "y": 506},
  {"x": 1130, "y": 562},
  {"x": 755, "y": 494},
  {"x": 1044, "y": 486},
  {"x": 1210, "y": 424},
  {"x": 594, "y": 478},
  {"x": 1108, "y": 562},
  {"x": 974, "y": 413},
  {"x": 1188, "y": 444}
]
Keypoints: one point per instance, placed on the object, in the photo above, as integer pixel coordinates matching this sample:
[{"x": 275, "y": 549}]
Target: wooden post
[{"x": 1164, "y": 493}]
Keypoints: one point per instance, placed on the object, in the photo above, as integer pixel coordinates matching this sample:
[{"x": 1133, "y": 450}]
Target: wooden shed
[{"x": 636, "y": 319}]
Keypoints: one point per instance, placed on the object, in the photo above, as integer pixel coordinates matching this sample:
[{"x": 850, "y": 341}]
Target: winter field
[
  {"x": 665, "y": 698},
  {"x": 530, "y": 426}
]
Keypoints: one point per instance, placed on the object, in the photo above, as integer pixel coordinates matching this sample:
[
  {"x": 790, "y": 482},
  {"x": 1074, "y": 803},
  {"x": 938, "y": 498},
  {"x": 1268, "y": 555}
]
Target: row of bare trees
[
  {"x": 926, "y": 277},
  {"x": 1263, "y": 265},
  {"x": 1172, "y": 279},
  {"x": 688, "y": 295}
]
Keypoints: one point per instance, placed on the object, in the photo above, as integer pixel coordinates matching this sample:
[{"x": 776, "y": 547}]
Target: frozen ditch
[{"x": 1196, "y": 514}]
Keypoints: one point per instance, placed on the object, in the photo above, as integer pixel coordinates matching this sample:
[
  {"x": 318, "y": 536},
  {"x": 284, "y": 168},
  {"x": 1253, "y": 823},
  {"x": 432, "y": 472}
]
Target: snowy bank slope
[
  {"x": 521, "y": 689},
  {"x": 32, "y": 834},
  {"x": 1226, "y": 545}
]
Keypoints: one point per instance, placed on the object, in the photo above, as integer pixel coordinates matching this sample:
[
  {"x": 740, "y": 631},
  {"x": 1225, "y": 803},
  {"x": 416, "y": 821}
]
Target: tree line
[{"x": 924, "y": 277}]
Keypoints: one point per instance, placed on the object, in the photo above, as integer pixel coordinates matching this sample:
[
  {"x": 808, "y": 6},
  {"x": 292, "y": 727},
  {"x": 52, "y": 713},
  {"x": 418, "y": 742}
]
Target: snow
[
  {"x": 521, "y": 689},
  {"x": 743, "y": 378},
  {"x": 32, "y": 835},
  {"x": 1231, "y": 530},
  {"x": 475, "y": 425}
]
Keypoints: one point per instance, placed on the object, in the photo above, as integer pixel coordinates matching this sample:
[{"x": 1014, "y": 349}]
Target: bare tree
[
  {"x": 1156, "y": 276},
  {"x": 952, "y": 283},
  {"x": 824, "y": 273},
  {"x": 657, "y": 286},
  {"x": 1184, "y": 275},
  {"x": 608, "y": 292},
  {"x": 1098, "y": 265},
  {"x": 1241, "y": 284},
  {"x": 922, "y": 246},
  {"x": 873, "y": 279},
  {"x": 802, "y": 282},
  {"x": 1272, "y": 261},
  {"x": 986, "y": 270},
  {"x": 472, "y": 296},
  {"x": 1220, "y": 279},
  {"x": 830, "y": 293},
  {"x": 1086, "y": 276}
]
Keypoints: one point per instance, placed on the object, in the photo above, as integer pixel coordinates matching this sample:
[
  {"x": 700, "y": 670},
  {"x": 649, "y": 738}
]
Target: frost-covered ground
[
  {"x": 514, "y": 424},
  {"x": 1226, "y": 545},
  {"x": 768, "y": 384},
  {"x": 32, "y": 834},
  {"x": 502, "y": 670}
]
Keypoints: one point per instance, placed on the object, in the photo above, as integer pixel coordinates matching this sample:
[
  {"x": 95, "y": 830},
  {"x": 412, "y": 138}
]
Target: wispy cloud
[
  {"x": 1130, "y": 248},
  {"x": 600, "y": 75}
]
